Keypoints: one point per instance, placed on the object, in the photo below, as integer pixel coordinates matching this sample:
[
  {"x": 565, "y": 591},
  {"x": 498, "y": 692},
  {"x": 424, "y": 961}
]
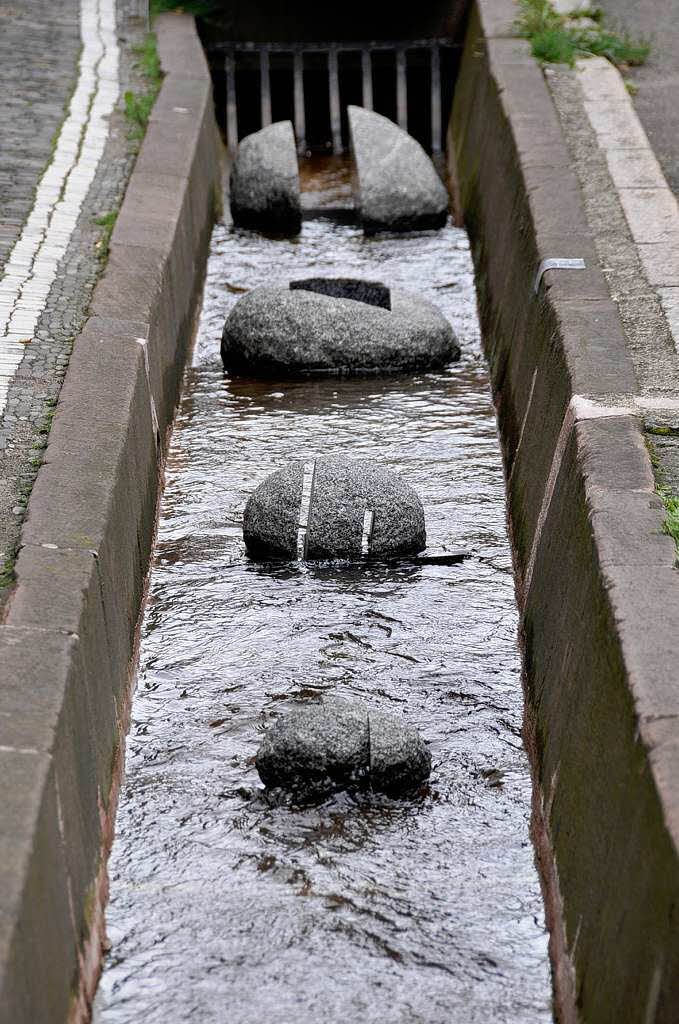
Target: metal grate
[{"x": 297, "y": 57}]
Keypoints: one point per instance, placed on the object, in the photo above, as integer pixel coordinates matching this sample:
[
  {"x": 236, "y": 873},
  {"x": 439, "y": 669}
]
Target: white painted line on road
[
  {"x": 650, "y": 207},
  {"x": 32, "y": 264}
]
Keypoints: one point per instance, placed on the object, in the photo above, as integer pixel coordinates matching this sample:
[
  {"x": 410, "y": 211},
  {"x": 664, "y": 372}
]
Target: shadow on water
[{"x": 228, "y": 903}]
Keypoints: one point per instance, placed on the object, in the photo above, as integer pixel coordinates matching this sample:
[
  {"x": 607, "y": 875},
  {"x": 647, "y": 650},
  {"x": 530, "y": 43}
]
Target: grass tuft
[
  {"x": 148, "y": 60},
  {"x": 7, "y": 574},
  {"x": 138, "y": 108},
  {"x": 107, "y": 222},
  {"x": 138, "y": 105},
  {"x": 670, "y": 500},
  {"x": 670, "y": 524},
  {"x": 560, "y": 38}
]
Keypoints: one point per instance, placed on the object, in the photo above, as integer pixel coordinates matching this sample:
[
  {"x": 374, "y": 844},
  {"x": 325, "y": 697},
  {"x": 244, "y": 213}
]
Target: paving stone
[{"x": 39, "y": 50}]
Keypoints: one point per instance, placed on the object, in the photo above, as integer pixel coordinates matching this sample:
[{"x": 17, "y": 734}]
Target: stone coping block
[
  {"x": 598, "y": 588},
  {"x": 68, "y": 640}
]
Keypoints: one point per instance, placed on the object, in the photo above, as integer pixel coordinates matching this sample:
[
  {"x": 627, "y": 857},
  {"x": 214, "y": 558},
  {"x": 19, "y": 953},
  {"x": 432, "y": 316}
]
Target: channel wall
[
  {"x": 68, "y": 640},
  {"x": 597, "y": 586}
]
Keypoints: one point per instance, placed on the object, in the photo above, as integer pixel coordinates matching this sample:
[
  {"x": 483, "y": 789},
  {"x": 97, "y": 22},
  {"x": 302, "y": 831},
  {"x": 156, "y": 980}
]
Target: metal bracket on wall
[{"x": 557, "y": 264}]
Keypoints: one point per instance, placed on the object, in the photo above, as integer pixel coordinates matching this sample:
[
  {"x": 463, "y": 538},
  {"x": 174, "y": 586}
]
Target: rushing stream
[{"x": 228, "y": 907}]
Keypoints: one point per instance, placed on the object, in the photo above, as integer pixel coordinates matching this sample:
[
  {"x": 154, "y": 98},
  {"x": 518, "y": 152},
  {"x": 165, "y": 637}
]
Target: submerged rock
[
  {"x": 318, "y": 749},
  {"x": 334, "y": 745},
  {"x": 334, "y": 508},
  {"x": 264, "y": 191},
  {"x": 397, "y": 186},
  {"x": 278, "y": 331}
]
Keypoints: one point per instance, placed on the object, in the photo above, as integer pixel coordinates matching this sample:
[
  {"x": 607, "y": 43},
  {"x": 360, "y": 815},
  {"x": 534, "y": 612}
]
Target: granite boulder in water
[
  {"x": 335, "y": 326},
  {"x": 336, "y": 745},
  {"x": 264, "y": 191},
  {"x": 331, "y": 508},
  {"x": 397, "y": 187}
]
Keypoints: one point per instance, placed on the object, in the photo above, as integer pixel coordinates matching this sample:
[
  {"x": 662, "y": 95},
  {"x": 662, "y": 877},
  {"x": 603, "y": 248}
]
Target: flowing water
[{"x": 227, "y": 906}]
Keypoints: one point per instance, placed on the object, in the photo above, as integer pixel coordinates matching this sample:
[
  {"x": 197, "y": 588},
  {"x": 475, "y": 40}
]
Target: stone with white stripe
[{"x": 343, "y": 491}]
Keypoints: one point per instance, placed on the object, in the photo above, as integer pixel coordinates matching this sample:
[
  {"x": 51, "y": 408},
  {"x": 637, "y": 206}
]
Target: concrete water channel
[
  {"x": 362, "y": 908},
  {"x": 225, "y": 902}
]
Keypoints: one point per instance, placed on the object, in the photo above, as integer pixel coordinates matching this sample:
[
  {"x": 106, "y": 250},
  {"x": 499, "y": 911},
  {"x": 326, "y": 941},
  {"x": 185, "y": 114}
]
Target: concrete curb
[
  {"x": 597, "y": 587},
  {"x": 649, "y": 205},
  {"x": 68, "y": 641}
]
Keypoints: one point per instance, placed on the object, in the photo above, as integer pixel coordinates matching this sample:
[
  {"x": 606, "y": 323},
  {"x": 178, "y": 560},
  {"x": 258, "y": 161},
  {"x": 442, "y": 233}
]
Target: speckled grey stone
[
  {"x": 337, "y": 744},
  {"x": 399, "y": 757},
  {"x": 343, "y": 490},
  {"x": 317, "y": 749},
  {"x": 264, "y": 191},
  {"x": 397, "y": 187},
  {"x": 275, "y": 332},
  {"x": 373, "y": 293}
]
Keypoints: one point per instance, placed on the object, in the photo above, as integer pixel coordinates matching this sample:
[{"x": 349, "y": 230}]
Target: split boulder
[
  {"x": 337, "y": 745},
  {"x": 396, "y": 184},
  {"x": 264, "y": 190}
]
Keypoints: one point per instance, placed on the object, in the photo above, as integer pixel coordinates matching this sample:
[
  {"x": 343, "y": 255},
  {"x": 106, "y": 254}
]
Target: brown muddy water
[{"x": 225, "y": 905}]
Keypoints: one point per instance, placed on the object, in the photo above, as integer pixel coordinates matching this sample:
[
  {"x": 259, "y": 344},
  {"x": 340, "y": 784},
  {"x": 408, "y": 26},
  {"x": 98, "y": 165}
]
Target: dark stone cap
[{"x": 373, "y": 293}]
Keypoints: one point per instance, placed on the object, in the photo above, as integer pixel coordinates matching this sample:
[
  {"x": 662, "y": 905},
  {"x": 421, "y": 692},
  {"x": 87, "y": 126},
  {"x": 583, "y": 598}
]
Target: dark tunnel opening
[{"x": 246, "y": 45}]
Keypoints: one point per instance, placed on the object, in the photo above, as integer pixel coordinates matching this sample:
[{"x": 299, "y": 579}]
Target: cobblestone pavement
[{"x": 39, "y": 51}]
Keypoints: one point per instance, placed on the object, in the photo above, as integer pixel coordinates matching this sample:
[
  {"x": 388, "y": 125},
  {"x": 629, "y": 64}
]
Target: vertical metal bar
[
  {"x": 300, "y": 120},
  {"x": 265, "y": 87},
  {"x": 333, "y": 88},
  {"x": 367, "y": 68},
  {"x": 401, "y": 90},
  {"x": 231, "y": 108},
  {"x": 435, "y": 99}
]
